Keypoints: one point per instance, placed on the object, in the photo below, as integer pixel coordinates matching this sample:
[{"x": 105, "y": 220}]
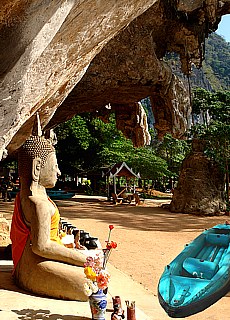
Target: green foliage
[
  {"x": 220, "y": 107},
  {"x": 77, "y": 129},
  {"x": 99, "y": 145},
  {"x": 73, "y": 139},
  {"x": 217, "y": 62},
  {"x": 216, "y": 103},
  {"x": 150, "y": 166},
  {"x": 201, "y": 101},
  {"x": 217, "y": 132},
  {"x": 173, "y": 151}
]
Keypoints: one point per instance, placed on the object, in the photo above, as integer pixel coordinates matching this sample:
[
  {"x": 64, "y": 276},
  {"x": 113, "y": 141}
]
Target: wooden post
[
  {"x": 108, "y": 185},
  {"x": 114, "y": 184}
]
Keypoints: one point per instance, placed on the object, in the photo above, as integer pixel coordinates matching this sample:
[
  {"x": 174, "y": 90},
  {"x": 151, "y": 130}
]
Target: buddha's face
[{"x": 50, "y": 172}]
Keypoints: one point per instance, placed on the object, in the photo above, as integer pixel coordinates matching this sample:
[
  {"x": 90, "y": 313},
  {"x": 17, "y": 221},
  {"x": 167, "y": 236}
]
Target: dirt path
[{"x": 148, "y": 238}]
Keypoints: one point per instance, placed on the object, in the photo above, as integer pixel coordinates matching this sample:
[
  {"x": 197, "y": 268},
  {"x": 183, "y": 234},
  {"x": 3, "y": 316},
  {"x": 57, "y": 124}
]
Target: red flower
[
  {"x": 111, "y": 227},
  {"x": 111, "y": 245}
]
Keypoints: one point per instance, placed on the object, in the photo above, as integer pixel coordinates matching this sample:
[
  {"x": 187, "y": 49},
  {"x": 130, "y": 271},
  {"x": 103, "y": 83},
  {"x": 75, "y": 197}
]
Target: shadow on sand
[
  {"x": 27, "y": 314},
  {"x": 148, "y": 217}
]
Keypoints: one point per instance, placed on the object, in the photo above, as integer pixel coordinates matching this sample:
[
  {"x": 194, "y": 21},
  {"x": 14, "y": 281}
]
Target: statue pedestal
[{"x": 31, "y": 306}]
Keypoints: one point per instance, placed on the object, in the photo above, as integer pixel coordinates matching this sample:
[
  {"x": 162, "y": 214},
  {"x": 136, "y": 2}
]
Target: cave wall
[
  {"x": 62, "y": 58},
  {"x": 47, "y": 47}
]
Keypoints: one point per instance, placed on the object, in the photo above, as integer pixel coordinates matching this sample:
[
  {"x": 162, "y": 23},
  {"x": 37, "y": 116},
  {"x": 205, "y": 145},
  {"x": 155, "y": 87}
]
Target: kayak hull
[{"x": 199, "y": 276}]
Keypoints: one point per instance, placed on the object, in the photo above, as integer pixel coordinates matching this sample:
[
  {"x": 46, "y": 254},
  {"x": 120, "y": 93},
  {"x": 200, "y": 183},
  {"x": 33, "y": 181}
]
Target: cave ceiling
[{"x": 70, "y": 57}]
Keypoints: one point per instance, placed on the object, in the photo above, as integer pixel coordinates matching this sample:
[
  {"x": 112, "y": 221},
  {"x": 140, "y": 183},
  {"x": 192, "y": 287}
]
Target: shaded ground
[{"x": 148, "y": 238}]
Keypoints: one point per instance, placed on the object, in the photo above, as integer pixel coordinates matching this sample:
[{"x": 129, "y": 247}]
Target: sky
[{"x": 224, "y": 27}]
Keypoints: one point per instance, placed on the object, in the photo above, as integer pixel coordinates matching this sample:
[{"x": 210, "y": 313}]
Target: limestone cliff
[
  {"x": 200, "y": 188},
  {"x": 65, "y": 57}
]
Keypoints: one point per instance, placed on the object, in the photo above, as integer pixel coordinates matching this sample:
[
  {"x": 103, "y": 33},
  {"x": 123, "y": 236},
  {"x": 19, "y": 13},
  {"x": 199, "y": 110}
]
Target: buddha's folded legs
[{"x": 50, "y": 278}]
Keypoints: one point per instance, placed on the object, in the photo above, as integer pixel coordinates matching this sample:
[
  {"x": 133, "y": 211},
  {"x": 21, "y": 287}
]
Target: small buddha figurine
[{"x": 42, "y": 264}]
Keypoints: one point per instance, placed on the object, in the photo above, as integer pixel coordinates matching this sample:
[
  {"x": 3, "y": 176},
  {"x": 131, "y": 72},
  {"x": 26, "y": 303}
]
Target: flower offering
[{"x": 95, "y": 268}]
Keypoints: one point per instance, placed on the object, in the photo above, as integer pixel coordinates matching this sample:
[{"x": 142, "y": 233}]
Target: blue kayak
[
  {"x": 199, "y": 275},
  {"x": 59, "y": 194}
]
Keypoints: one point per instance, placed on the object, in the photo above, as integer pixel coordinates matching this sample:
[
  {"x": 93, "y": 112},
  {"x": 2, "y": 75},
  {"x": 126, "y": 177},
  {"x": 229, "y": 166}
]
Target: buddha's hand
[{"x": 79, "y": 246}]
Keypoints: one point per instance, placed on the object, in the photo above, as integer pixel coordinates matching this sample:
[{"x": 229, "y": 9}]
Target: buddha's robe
[{"x": 20, "y": 232}]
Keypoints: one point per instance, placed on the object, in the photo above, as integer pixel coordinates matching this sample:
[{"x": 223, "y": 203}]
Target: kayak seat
[
  {"x": 217, "y": 239},
  {"x": 198, "y": 268}
]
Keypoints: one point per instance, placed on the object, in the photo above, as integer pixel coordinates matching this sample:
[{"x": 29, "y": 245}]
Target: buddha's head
[{"x": 37, "y": 162}]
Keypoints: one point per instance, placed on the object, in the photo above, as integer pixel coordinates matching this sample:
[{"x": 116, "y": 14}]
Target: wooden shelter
[{"x": 120, "y": 169}]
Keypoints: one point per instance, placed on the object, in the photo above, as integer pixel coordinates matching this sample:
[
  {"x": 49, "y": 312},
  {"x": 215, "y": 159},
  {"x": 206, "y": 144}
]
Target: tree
[
  {"x": 201, "y": 102},
  {"x": 173, "y": 151},
  {"x": 86, "y": 144},
  {"x": 74, "y": 139}
]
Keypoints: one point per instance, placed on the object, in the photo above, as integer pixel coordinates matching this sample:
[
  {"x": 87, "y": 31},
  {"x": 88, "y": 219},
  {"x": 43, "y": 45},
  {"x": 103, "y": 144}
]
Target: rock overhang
[{"x": 69, "y": 57}]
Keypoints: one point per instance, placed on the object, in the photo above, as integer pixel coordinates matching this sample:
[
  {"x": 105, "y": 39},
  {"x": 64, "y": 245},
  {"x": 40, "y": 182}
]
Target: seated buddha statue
[{"x": 42, "y": 264}]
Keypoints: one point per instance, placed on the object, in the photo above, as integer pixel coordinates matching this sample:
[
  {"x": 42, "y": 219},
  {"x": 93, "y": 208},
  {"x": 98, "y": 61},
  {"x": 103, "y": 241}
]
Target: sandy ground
[{"x": 148, "y": 238}]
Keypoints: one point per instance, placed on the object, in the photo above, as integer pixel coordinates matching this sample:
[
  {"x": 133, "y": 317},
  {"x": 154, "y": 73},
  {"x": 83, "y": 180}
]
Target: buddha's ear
[{"x": 36, "y": 169}]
